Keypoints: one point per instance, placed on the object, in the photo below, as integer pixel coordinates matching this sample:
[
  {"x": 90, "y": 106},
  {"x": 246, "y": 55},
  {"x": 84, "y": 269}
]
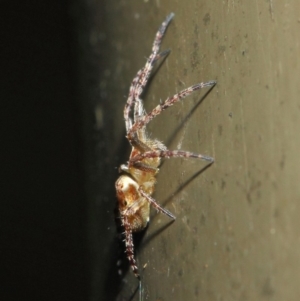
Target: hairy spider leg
[
  {"x": 154, "y": 203},
  {"x": 138, "y": 102},
  {"x": 144, "y": 120},
  {"x": 153, "y": 57},
  {"x": 167, "y": 154},
  {"x": 129, "y": 247},
  {"x": 128, "y": 230},
  {"x": 142, "y": 76},
  {"x": 130, "y": 101}
]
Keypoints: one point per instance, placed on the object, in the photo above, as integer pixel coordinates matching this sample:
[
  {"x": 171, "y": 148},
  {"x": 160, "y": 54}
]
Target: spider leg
[
  {"x": 138, "y": 103},
  {"x": 138, "y": 144},
  {"x": 153, "y": 202},
  {"x": 168, "y": 103},
  {"x": 145, "y": 167},
  {"x": 130, "y": 101},
  {"x": 142, "y": 76},
  {"x": 153, "y": 57},
  {"x": 130, "y": 247},
  {"x": 167, "y": 154}
]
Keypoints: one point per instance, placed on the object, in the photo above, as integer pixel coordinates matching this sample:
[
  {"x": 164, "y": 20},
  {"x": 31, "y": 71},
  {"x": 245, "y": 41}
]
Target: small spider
[{"x": 136, "y": 185}]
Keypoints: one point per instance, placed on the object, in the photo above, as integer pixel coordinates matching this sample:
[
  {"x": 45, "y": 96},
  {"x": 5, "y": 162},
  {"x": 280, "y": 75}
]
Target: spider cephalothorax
[{"x": 136, "y": 185}]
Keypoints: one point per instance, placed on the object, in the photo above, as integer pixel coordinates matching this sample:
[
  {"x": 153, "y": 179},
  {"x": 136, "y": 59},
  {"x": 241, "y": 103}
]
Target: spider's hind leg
[
  {"x": 153, "y": 202},
  {"x": 130, "y": 247}
]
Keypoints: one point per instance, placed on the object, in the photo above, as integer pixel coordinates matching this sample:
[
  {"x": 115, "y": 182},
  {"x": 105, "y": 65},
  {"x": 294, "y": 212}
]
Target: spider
[{"x": 136, "y": 184}]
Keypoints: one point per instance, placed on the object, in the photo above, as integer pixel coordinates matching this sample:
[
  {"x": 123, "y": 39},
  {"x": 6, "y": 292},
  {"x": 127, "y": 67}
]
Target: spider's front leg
[
  {"x": 139, "y": 110},
  {"x": 144, "y": 120},
  {"x": 153, "y": 57},
  {"x": 141, "y": 79},
  {"x": 134, "y": 97},
  {"x": 167, "y": 154}
]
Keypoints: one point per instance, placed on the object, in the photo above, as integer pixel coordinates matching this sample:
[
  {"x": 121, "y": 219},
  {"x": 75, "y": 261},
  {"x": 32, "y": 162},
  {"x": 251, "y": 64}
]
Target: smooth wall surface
[{"x": 236, "y": 236}]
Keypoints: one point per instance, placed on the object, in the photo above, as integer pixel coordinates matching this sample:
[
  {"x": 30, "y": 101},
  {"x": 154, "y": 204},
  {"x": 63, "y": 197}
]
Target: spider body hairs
[{"x": 136, "y": 184}]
